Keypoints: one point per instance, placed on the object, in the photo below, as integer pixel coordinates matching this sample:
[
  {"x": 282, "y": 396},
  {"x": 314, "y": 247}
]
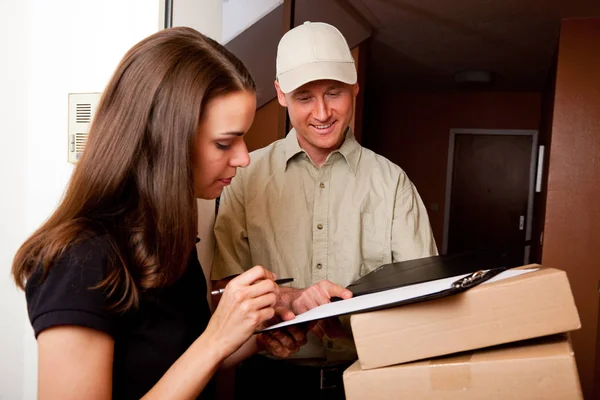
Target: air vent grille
[
  {"x": 82, "y": 107},
  {"x": 83, "y": 114}
]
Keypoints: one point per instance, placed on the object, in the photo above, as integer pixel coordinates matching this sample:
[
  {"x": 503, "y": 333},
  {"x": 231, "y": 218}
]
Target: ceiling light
[{"x": 473, "y": 76}]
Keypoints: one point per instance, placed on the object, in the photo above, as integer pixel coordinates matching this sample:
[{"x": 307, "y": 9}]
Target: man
[{"x": 318, "y": 207}]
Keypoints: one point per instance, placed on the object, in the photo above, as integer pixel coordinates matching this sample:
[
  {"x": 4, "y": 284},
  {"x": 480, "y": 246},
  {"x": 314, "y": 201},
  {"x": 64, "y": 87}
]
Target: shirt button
[
  {"x": 319, "y": 266},
  {"x": 321, "y": 185},
  {"x": 320, "y": 226}
]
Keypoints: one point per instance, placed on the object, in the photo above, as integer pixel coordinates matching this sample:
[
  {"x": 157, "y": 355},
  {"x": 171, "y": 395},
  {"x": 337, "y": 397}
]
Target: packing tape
[{"x": 450, "y": 373}]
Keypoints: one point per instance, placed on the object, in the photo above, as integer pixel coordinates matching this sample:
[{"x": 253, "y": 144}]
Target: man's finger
[
  {"x": 269, "y": 342},
  {"x": 332, "y": 327},
  {"x": 284, "y": 313},
  {"x": 307, "y": 301},
  {"x": 283, "y": 338},
  {"x": 317, "y": 330},
  {"x": 298, "y": 335},
  {"x": 310, "y": 325},
  {"x": 334, "y": 290}
]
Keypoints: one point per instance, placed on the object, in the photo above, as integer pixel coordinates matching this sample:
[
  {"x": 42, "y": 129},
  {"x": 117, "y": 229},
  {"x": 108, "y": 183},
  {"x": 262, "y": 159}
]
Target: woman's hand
[{"x": 247, "y": 302}]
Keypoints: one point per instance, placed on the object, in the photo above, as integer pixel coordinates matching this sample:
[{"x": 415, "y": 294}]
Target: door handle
[{"x": 521, "y": 222}]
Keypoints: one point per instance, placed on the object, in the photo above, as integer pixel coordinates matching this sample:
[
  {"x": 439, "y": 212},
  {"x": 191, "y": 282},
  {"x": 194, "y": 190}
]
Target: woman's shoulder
[
  {"x": 90, "y": 250},
  {"x": 89, "y": 254},
  {"x": 69, "y": 290}
]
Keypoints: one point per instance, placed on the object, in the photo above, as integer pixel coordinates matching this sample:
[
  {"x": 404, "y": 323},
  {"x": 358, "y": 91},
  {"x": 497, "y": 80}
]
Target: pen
[{"x": 277, "y": 281}]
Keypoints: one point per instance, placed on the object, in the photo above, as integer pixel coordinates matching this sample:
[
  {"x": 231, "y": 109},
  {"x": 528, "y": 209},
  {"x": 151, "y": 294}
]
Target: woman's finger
[
  {"x": 265, "y": 301},
  {"x": 261, "y": 288},
  {"x": 265, "y": 314},
  {"x": 251, "y": 276}
]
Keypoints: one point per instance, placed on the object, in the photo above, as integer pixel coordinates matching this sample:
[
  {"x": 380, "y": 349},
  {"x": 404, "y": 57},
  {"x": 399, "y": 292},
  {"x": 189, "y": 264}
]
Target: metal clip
[{"x": 469, "y": 280}]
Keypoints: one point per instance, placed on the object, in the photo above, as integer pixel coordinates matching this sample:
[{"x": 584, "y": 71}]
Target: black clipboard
[
  {"x": 411, "y": 272},
  {"x": 391, "y": 285}
]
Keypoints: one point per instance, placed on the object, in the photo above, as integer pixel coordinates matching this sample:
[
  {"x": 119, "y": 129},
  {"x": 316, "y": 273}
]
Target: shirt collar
[
  {"x": 291, "y": 146},
  {"x": 350, "y": 149}
]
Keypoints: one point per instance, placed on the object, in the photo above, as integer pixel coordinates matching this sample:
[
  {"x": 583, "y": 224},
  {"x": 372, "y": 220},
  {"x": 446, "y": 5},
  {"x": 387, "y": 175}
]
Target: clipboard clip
[{"x": 471, "y": 280}]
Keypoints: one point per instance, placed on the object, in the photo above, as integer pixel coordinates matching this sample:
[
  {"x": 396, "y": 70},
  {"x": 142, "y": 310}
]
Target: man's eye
[
  {"x": 333, "y": 94},
  {"x": 303, "y": 99}
]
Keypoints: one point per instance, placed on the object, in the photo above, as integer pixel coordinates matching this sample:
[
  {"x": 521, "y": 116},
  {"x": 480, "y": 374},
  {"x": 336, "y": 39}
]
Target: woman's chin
[{"x": 209, "y": 195}]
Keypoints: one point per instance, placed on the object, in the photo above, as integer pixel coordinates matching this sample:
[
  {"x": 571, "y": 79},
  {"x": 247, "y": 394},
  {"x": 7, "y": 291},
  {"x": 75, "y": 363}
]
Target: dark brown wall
[
  {"x": 359, "y": 55},
  {"x": 572, "y": 230},
  {"x": 413, "y": 130},
  {"x": 257, "y": 48},
  {"x": 544, "y": 138},
  {"x": 264, "y": 128}
]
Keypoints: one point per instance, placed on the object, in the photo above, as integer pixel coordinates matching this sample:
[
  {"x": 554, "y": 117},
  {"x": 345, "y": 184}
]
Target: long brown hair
[{"x": 134, "y": 182}]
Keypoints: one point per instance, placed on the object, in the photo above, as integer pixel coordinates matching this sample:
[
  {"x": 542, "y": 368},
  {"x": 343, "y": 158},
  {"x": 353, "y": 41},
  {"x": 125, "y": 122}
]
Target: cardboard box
[
  {"x": 532, "y": 305},
  {"x": 536, "y": 369}
]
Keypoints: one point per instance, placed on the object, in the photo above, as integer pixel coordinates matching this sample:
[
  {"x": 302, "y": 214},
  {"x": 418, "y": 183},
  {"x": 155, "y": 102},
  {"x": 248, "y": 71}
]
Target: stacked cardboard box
[{"x": 533, "y": 305}]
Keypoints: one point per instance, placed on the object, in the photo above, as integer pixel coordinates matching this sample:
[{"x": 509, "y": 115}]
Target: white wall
[
  {"x": 48, "y": 49},
  {"x": 13, "y": 141},
  {"x": 241, "y": 14},
  {"x": 203, "y": 15}
]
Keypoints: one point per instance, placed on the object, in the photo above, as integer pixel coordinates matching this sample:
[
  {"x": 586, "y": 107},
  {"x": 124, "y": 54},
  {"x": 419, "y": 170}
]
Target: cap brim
[{"x": 334, "y": 70}]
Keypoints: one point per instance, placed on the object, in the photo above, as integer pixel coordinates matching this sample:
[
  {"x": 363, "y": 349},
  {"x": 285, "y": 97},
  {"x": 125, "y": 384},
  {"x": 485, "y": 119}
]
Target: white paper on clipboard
[{"x": 387, "y": 297}]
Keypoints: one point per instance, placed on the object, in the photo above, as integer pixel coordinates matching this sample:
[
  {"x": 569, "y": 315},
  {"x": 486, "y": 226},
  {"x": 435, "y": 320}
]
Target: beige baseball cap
[{"x": 313, "y": 51}]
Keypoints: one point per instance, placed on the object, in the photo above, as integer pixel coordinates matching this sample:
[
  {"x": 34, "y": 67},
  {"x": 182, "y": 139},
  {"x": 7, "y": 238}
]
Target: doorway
[{"x": 489, "y": 191}]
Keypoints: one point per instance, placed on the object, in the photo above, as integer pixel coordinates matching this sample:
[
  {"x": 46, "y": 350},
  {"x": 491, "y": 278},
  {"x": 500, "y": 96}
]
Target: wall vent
[{"x": 82, "y": 107}]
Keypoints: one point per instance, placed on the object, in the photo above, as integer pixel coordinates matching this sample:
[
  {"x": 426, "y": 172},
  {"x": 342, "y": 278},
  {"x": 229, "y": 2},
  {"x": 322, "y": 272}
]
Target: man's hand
[
  {"x": 302, "y": 300},
  {"x": 285, "y": 341},
  {"x": 332, "y": 327}
]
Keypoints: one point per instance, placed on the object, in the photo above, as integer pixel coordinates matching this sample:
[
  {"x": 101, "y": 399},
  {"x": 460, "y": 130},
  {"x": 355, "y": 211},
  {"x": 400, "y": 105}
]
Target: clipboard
[
  {"x": 398, "y": 284},
  {"x": 410, "y": 272}
]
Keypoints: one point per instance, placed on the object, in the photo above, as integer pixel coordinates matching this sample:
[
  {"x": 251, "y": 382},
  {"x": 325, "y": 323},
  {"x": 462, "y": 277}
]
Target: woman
[{"x": 115, "y": 293}]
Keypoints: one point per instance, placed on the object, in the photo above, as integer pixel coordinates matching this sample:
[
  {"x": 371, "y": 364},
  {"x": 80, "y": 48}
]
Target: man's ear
[
  {"x": 355, "y": 89},
  {"x": 280, "y": 95}
]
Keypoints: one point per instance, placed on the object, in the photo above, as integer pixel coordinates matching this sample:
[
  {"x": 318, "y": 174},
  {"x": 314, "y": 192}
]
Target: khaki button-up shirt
[
  {"x": 355, "y": 213},
  {"x": 338, "y": 222}
]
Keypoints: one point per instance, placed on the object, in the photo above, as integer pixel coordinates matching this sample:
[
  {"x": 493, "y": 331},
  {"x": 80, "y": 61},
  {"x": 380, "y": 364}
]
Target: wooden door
[{"x": 490, "y": 192}]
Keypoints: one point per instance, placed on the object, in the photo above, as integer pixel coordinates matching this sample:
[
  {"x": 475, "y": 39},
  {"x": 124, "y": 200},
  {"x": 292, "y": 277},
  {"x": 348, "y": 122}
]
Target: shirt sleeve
[
  {"x": 412, "y": 237},
  {"x": 232, "y": 250},
  {"x": 66, "y": 296}
]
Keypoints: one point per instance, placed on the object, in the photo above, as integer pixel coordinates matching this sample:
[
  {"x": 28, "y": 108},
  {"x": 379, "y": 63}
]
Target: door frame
[{"x": 532, "y": 177}]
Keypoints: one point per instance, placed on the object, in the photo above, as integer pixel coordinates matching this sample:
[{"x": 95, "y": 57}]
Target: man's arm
[{"x": 412, "y": 237}]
